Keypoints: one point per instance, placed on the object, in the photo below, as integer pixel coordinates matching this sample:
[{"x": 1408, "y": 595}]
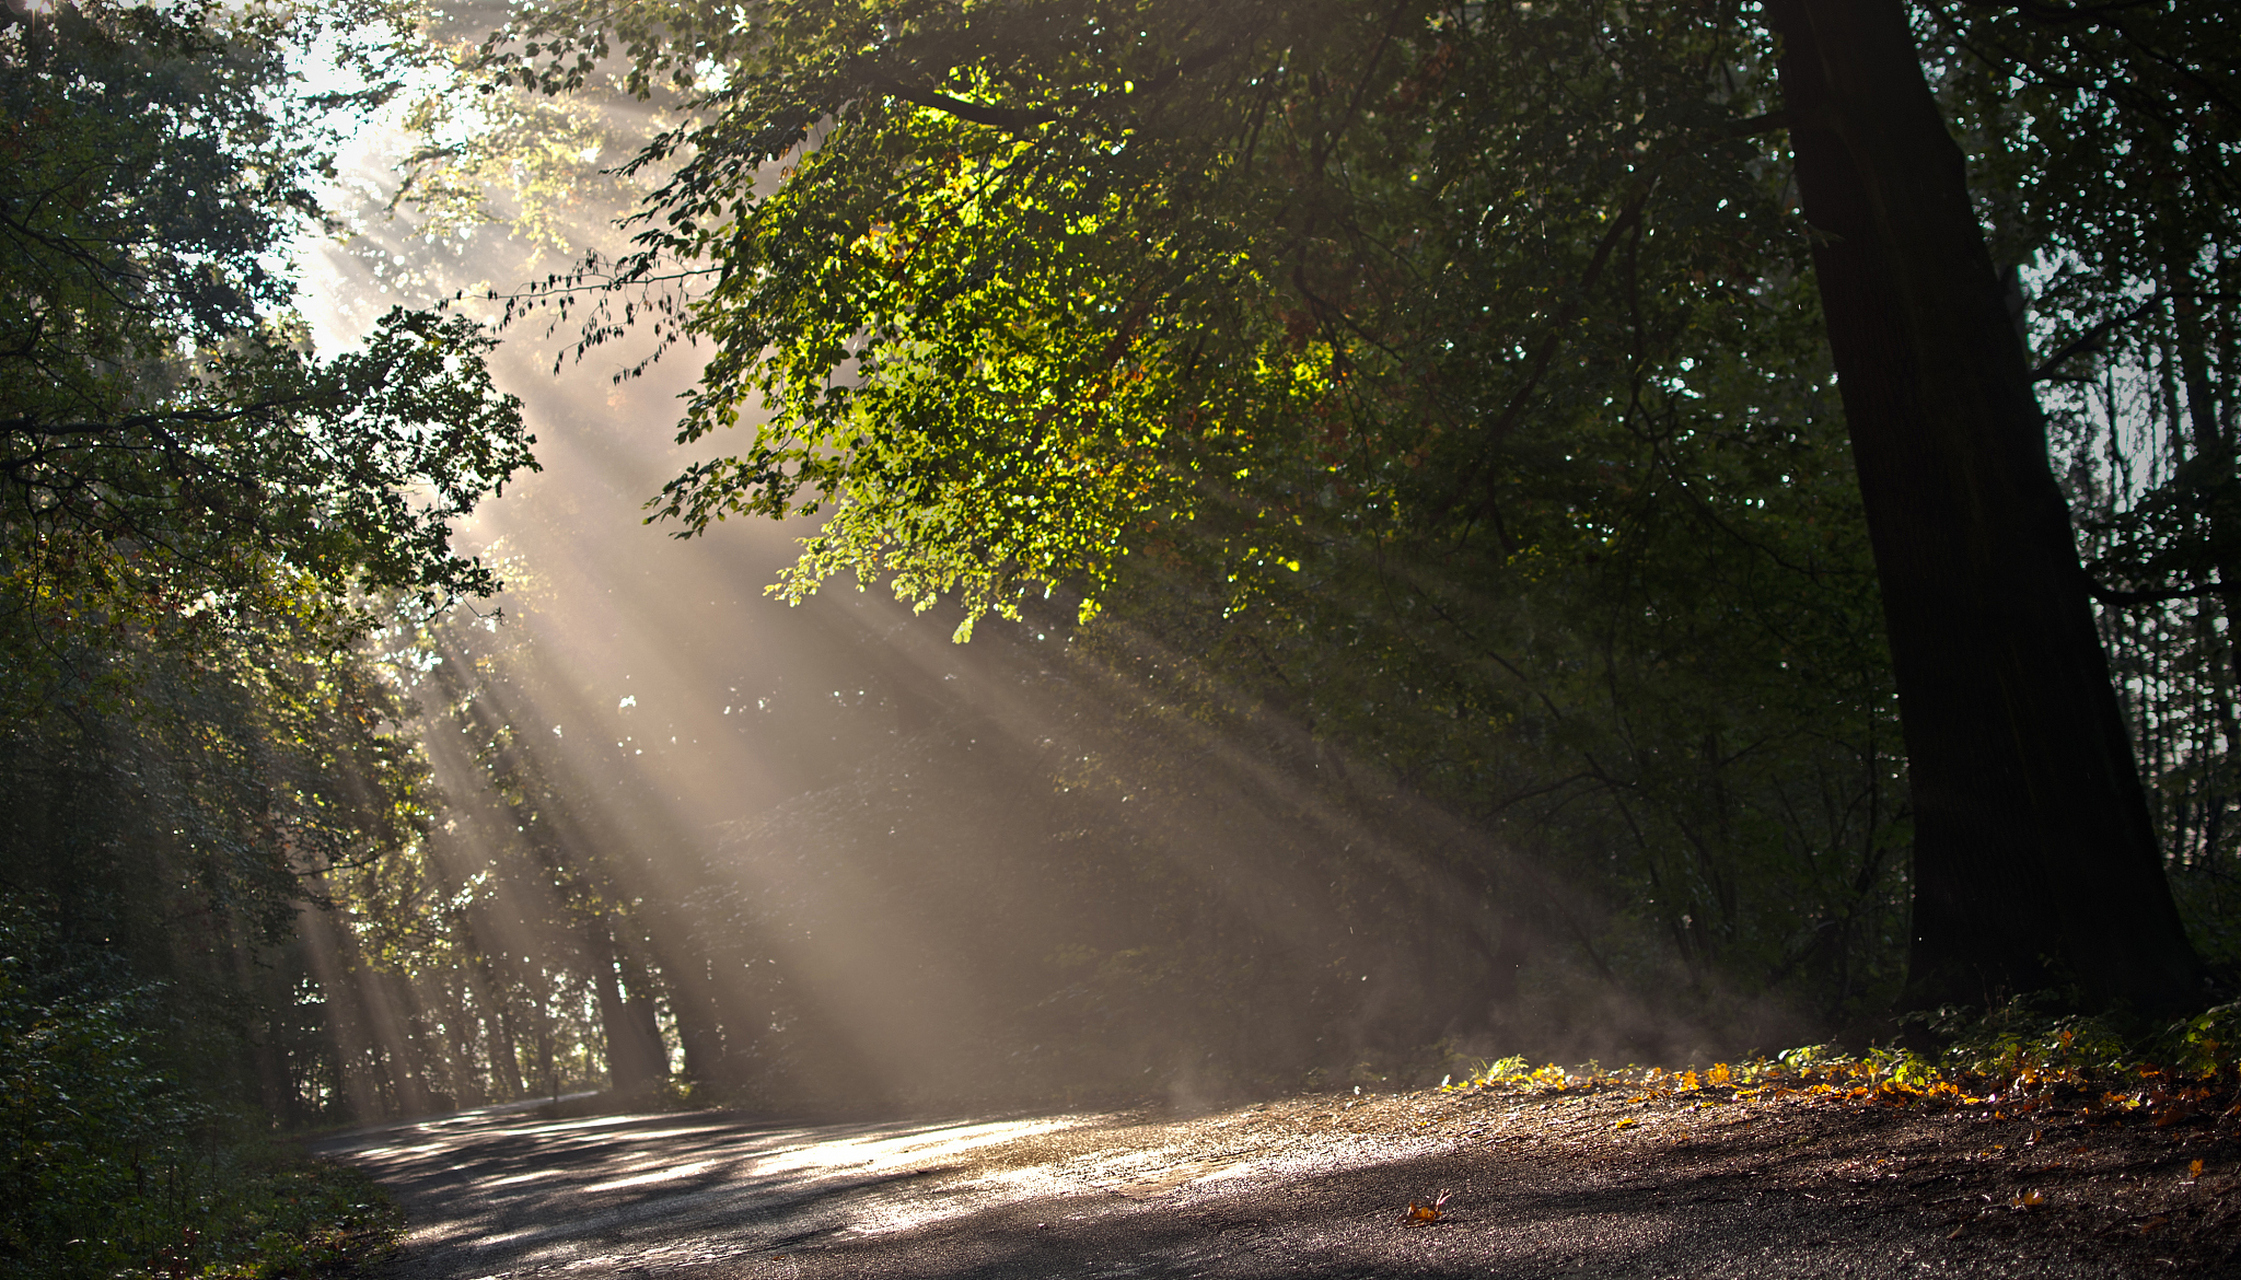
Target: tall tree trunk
[
  {"x": 2035, "y": 864},
  {"x": 273, "y": 1092},
  {"x": 466, "y": 1081},
  {"x": 692, "y": 999},
  {"x": 631, "y": 1062},
  {"x": 641, "y": 1007},
  {"x": 505, "y": 1054},
  {"x": 548, "y": 1068}
]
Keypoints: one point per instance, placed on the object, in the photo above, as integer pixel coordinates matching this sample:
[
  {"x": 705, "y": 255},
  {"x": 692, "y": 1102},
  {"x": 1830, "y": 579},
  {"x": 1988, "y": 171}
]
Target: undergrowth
[
  {"x": 110, "y": 1167},
  {"x": 239, "y": 1209},
  {"x": 267, "y": 1213},
  {"x": 2014, "y": 1061}
]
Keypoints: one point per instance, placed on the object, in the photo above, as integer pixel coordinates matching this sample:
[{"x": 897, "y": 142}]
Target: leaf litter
[
  {"x": 2093, "y": 1157},
  {"x": 2134, "y": 1168}
]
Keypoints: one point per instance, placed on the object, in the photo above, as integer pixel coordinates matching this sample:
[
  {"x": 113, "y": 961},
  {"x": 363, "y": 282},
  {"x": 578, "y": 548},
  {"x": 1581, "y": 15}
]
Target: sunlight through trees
[{"x": 1617, "y": 526}]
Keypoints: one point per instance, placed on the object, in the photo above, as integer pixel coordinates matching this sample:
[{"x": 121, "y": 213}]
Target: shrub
[{"x": 108, "y": 1168}]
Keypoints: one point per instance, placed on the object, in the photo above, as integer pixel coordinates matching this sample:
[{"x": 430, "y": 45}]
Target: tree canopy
[
  {"x": 158, "y": 395},
  {"x": 1467, "y": 360}
]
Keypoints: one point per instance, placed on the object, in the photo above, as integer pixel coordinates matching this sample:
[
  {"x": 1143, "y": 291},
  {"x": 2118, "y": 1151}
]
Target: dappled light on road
[
  {"x": 505, "y": 1190},
  {"x": 1592, "y": 1181}
]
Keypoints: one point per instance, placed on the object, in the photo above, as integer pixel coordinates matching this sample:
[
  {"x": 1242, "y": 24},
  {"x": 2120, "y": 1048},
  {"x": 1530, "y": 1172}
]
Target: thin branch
[{"x": 2090, "y": 340}]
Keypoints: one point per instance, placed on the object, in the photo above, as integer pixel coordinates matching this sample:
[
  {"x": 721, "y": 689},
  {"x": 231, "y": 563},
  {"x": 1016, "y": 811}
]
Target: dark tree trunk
[
  {"x": 505, "y": 1052},
  {"x": 2035, "y": 864},
  {"x": 631, "y": 1061},
  {"x": 640, "y": 1006},
  {"x": 692, "y": 1000}
]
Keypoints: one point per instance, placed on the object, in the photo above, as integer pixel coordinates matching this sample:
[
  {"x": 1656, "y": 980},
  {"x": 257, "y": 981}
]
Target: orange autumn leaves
[{"x": 2142, "y": 1091}]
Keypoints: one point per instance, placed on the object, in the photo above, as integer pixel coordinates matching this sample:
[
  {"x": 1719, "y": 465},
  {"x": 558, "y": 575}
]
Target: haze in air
[{"x": 1488, "y": 536}]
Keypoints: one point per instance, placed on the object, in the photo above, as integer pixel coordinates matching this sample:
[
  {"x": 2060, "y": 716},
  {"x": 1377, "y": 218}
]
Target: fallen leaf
[
  {"x": 1426, "y": 1213},
  {"x": 2194, "y": 1171},
  {"x": 2154, "y": 1222},
  {"x": 1630, "y": 1122},
  {"x": 2028, "y": 1200}
]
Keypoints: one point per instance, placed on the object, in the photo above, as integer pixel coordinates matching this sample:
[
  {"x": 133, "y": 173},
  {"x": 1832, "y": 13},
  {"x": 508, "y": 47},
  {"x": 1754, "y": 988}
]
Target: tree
[
  {"x": 2129, "y": 219},
  {"x": 1105, "y": 296},
  {"x": 156, "y": 399},
  {"x": 202, "y": 521},
  {"x": 2035, "y": 861}
]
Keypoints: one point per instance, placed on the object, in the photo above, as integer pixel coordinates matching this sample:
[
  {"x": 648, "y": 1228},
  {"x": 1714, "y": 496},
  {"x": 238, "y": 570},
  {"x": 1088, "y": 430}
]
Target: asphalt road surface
[{"x": 1305, "y": 1187}]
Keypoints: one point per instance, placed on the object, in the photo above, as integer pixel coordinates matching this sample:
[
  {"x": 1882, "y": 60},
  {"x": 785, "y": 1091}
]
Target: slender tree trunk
[
  {"x": 468, "y": 1083},
  {"x": 2209, "y": 454},
  {"x": 640, "y": 1007},
  {"x": 547, "y": 1065},
  {"x": 350, "y": 1024},
  {"x": 505, "y": 1054},
  {"x": 273, "y": 1092},
  {"x": 692, "y": 999},
  {"x": 2035, "y": 864},
  {"x": 419, "y": 1057}
]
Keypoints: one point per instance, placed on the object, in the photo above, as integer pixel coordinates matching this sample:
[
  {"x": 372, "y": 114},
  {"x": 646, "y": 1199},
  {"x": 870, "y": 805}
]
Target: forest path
[{"x": 1313, "y": 1186}]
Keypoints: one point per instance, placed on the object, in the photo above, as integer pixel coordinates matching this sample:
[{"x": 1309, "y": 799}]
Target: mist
[{"x": 825, "y": 859}]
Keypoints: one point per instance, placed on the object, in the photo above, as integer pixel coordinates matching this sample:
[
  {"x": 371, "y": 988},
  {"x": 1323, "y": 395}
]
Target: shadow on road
[{"x": 1261, "y": 1193}]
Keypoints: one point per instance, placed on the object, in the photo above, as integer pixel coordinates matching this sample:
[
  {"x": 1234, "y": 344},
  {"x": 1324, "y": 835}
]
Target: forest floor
[{"x": 1586, "y": 1181}]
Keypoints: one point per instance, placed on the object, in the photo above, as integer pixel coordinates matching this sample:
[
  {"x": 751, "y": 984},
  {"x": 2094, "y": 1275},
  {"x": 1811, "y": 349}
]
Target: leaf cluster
[{"x": 167, "y": 435}]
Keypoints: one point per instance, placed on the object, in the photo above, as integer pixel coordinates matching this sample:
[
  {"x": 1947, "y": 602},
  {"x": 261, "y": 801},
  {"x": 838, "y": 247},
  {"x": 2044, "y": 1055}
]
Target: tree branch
[
  {"x": 1009, "y": 119},
  {"x": 2091, "y": 339},
  {"x": 2151, "y": 595}
]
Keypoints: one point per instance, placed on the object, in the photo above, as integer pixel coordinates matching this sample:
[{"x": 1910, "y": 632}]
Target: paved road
[{"x": 1286, "y": 1189}]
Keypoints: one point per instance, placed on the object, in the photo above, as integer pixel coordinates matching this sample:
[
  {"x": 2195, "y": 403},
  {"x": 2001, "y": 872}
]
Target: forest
[{"x": 1385, "y": 536}]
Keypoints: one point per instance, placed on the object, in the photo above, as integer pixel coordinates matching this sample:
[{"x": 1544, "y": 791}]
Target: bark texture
[{"x": 2035, "y": 862}]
